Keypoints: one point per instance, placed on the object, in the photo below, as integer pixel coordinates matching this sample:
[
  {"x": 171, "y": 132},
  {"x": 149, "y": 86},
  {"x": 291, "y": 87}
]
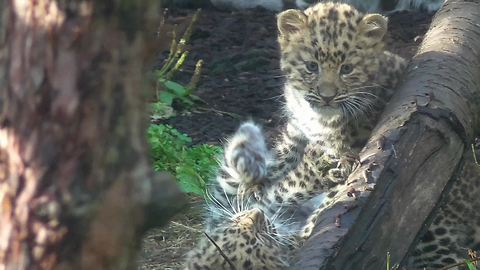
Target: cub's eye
[
  {"x": 312, "y": 66},
  {"x": 346, "y": 69}
]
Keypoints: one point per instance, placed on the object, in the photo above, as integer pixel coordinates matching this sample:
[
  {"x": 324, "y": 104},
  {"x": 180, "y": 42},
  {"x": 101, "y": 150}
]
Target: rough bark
[
  {"x": 412, "y": 155},
  {"x": 76, "y": 188}
]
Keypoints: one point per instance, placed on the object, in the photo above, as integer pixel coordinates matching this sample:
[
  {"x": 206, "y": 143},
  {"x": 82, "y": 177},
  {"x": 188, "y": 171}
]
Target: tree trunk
[
  {"x": 76, "y": 188},
  {"x": 412, "y": 155}
]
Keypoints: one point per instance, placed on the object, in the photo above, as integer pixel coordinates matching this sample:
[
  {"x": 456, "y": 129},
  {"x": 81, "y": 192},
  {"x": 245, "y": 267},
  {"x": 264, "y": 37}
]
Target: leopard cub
[
  {"x": 245, "y": 240},
  {"x": 338, "y": 78}
]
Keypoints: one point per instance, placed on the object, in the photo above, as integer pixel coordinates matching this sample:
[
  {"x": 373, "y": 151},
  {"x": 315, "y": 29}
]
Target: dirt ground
[{"x": 240, "y": 80}]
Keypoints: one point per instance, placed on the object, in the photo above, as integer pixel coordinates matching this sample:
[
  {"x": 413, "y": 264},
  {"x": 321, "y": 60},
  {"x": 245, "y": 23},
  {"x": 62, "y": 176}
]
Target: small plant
[
  {"x": 168, "y": 90},
  {"x": 471, "y": 265},
  {"x": 193, "y": 166},
  {"x": 170, "y": 150},
  {"x": 388, "y": 261}
]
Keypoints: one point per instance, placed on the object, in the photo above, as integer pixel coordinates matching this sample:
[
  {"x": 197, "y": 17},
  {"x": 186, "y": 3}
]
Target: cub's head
[
  {"x": 248, "y": 240},
  {"x": 330, "y": 56}
]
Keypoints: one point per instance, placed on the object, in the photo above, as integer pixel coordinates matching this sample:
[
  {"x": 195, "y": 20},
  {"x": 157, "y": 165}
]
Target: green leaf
[
  {"x": 470, "y": 265},
  {"x": 188, "y": 180},
  {"x": 186, "y": 101},
  {"x": 166, "y": 97},
  {"x": 176, "y": 88},
  {"x": 160, "y": 110},
  {"x": 189, "y": 187},
  {"x": 193, "y": 166}
]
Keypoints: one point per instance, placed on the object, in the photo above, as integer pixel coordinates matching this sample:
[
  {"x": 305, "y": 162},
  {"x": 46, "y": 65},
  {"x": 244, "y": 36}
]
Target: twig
[
  {"x": 196, "y": 76},
  {"x": 233, "y": 115},
  {"x": 177, "y": 65},
  {"x": 171, "y": 56},
  {"x": 162, "y": 23},
  {"x": 185, "y": 226},
  {"x": 474, "y": 154},
  {"x": 232, "y": 267},
  {"x": 188, "y": 32},
  {"x": 177, "y": 49}
]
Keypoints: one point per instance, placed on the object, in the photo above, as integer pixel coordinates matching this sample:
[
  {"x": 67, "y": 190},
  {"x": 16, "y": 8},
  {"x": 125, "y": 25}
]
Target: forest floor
[{"x": 241, "y": 80}]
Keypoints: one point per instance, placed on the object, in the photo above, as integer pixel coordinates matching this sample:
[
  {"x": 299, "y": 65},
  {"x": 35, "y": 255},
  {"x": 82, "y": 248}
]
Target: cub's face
[
  {"x": 247, "y": 241},
  {"x": 330, "y": 57}
]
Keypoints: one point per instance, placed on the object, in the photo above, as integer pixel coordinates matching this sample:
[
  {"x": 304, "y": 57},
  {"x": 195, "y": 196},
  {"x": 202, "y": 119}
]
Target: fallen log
[{"x": 416, "y": 148}]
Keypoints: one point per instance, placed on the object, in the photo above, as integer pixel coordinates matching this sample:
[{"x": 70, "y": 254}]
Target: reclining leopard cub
[{"x": 337, "y": 72}]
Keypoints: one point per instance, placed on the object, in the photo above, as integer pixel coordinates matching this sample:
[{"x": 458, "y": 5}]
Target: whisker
[
  {"x": 345, "y": 112},
  {"x": 218, "y": 204},
  {"x": 274, "y": 97},
  {"x": 313, "y": 96},
  {"x": 373, "y": 85},
  {"x": 229, "y": 202},
  {"x": 358, "y": 105},
  {"x": 222, "y": 206},
  {"x": 364, "y": 102},
  {"x": 237, "y": 202},
  {"x": 351, "y": 109}
]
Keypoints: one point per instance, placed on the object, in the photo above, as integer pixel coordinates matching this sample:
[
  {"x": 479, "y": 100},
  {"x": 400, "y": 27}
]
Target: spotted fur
[
  {"x": 325, "y": 106},
  {"x": 247, "y": 239},
  {"x": 456, "y": 224},
  {"x": 337, "y": 73}
]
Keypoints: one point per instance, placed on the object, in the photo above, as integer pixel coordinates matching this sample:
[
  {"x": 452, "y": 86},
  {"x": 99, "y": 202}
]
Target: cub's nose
[
  {"x": 327, "y": 91},
  {"x": 256, "y": 215},
  {"x": 327, "y": 99}
]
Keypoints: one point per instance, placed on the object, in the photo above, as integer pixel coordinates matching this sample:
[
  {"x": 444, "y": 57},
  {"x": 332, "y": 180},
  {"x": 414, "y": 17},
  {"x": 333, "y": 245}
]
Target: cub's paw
[
  {"x": 306, "y": 232},
  {"x": 247, "y": 153},
  {"x": 350, "y": 161},
  {"x": 251, "y": 191},
  {"x": 343, "y": 167},
  {"x": 307, "y": 229},
  {"x": 338, "y": 175}
]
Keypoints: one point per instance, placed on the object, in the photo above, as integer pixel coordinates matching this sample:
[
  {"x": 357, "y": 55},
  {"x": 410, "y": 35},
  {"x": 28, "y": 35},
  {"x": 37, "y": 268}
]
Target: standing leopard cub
[
  {"x": 337, "y": 72},
  {"x": 338, "y": 78}
]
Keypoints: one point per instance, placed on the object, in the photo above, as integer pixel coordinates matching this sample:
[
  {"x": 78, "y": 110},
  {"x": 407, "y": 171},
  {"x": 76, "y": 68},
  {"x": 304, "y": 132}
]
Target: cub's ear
[
  {"x": 373, "y": 26},
  {"x": 291, "y": 21}
]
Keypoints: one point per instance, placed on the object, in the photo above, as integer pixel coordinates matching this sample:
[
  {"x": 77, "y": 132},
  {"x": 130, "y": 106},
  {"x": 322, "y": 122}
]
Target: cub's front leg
[
  {"x": 247, "y": 155},
  {"x": 245, "y": 163}
]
